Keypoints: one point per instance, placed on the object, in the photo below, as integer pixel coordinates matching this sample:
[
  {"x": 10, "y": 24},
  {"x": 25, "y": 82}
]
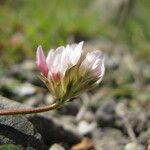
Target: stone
[
  {"x": 28, "y": 65},
  {"x": 107, "y": 138},
  {"x": 25, "y": 71},
  {"x": 84, "y": 127},
  {"x": 70, "y": 108},
  {"x": 89, "y": 116},
  {"x": 56, "y": 147},
  {"x": 106, "y": 115},
  {"x": 134, "y": 146},
  {"x": 6, "y": 103},
  {"x": 139, "y": 121},
  {"x": 137, "y": 118},
  {"x": 18, "y": 129},
  {"x": 144, "y": 137},
  {"x": 53, "y": 131},
  {"x": 33, "y": 101},
  {"x": 34, "y": 131},
  {"x": 12, "y": 88},
  {"x": 25, "y": 89}
]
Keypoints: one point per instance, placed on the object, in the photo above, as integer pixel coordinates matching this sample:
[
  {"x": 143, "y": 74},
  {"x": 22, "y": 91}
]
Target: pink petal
[{"x": 41, "y": 61}]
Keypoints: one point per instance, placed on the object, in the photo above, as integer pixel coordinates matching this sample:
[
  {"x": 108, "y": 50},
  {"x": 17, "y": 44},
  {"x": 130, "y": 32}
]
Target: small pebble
[
  {"x": 25, "y": 89},
  {"x": 134, "y": 146},
  {"x": 56, "y": 147},
  {"x": 85, "y": 127}
]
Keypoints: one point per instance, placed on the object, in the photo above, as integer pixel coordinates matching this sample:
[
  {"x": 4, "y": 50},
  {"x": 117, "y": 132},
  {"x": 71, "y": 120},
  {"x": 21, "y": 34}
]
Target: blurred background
[{"x": 120, "y": 28}]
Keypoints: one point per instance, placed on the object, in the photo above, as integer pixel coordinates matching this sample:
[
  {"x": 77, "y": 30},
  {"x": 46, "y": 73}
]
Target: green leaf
[{"x": 9, "y": 147}]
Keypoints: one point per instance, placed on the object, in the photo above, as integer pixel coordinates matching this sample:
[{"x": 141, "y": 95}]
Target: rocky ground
[{"x": 114, "y": 115}]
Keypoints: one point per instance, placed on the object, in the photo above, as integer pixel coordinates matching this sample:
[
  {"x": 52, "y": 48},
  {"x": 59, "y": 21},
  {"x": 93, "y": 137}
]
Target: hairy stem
[{"x": 23, "y": 111}]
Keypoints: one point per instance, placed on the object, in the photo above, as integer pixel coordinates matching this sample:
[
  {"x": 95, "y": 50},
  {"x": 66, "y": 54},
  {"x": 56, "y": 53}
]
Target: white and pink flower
[
  {"x": 67, "y": 68},
  {"x": 58, "y": 61}
]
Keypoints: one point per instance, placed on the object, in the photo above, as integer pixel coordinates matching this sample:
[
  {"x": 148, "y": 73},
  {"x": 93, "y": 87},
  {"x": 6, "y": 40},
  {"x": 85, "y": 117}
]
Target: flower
[
  {"x": 67, "y": 71},
  {"x": 58, "y": 61},
  {"x": 94, "y": 63}
]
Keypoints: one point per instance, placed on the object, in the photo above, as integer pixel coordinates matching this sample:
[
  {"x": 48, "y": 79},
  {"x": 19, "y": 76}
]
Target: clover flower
[{"x": 68, "y": 71}]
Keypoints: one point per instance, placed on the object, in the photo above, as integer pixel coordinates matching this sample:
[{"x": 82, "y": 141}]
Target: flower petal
[
  {"x": 50, "y": 58},
  {"x": 41, "y": 61},
  {"x": 100, "y": 69},
  {"x": 93, "y": 62},
  {"x": 57, "y": 62},
  {"x": 75, "y": 54}
]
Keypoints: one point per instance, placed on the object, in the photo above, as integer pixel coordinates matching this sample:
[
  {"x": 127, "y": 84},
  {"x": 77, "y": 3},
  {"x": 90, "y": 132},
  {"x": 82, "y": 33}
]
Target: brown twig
[{"x": 23, "y": 111}]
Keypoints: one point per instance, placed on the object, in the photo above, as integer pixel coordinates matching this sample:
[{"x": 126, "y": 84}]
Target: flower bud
[{"x": 67, "y": 72}]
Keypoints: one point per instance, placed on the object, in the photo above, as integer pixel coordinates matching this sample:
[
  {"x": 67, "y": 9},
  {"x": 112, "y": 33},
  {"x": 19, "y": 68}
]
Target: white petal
[
  {"x": 60, "y": 63},
  {"x": 100, "y": 69},
  {"x": 50, "y": 58},
  {"x": 59, "y": 50},
  {"x": 64, "y": 62},
  {"x": 93, "y": 62},
  {"x": 57, "y": 56},
  {"x": 57, "y": 61},
  {"x": 72, "y": 46},
  {"x": 101, "y": 73},
  {"x": 76, "y": 53}
]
